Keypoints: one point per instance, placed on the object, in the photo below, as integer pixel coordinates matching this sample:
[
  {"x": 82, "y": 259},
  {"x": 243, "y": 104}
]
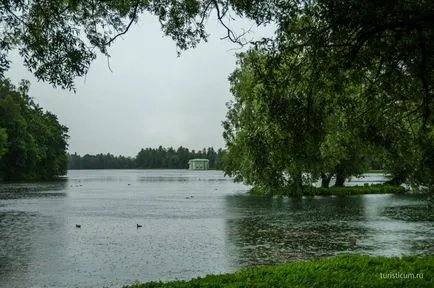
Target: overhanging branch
[
  {"x": 133, "y": 17},
  {"x": 230, "y": 34}
]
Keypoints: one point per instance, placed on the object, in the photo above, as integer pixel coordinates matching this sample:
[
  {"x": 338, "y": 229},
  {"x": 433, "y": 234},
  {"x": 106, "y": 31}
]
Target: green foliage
[
  {"x": 3, "y": 142},
  {"x": 283, "y": 131},
  {"x": 149, "y": 158},
  {"x": 99, "y": 161},
  {"x": 382, "y": 65},
  {"x": 424, "y": 175},
  {"x": 36, "y": 142},
  {"x": 175, "y": 159},
  {"x": 338, "y": 271},
  {"x": 58, "y": 39},
  {"x": 335, "y": 89}
]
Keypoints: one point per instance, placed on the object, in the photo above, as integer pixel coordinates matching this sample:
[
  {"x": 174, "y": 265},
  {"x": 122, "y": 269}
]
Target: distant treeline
[{"x": 149, "y": 158}]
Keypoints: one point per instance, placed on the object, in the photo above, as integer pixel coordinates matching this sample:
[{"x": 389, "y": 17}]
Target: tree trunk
[
  {"x": 325, "y": 179},
  {"x": 340, "y": 176},
  {"x": 298, "y": 184},
  {"x": 340, "y": 180},
  {"x": 398, "y": 178}
]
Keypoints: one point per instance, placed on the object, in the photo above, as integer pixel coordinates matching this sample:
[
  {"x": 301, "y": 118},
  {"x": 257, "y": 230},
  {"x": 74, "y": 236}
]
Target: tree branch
[
  {"x": 136, "y": 8},
  {"x": 230, "y": 34},
  {"x": 366, "y": 33},
  {"x": 426, "y": 95},
  {"x": 6, "y": 6},
  {"x": 204, "y": 11}
]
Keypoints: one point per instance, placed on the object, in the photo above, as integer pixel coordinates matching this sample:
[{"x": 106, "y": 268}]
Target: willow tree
[
  {"x": 333, "y": 103},
  {"x": 283, "y": 131},
  {"x": 386, "y": 51}
]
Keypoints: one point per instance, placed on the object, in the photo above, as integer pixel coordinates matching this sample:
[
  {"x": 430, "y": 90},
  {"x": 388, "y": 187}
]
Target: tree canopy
[
  {"x": 332, "y": 90},
  {"x": 58, "y": 39},
  {"x": 32, "y": 142}
]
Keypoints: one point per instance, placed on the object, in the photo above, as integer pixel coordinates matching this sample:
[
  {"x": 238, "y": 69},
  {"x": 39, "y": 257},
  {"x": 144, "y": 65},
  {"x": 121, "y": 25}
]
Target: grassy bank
[
  {"x": 377, "y": 171},
  {"x": 339, "y": 271},
  {"x": 356, "y": 190},
  {"x": 346, "y": 190}
]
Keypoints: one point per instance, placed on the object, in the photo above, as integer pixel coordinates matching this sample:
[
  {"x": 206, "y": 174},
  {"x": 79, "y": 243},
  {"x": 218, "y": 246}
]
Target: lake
[{"x": 193, "y": 223}]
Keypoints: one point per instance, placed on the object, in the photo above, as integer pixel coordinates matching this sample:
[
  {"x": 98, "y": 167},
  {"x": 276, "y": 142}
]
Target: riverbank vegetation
[
  {"x": 149, "y": 158},
  {"x": 335, "y": 190},
  {"x": 32, "y": 141},
  {"x": 338, "y": 271}
]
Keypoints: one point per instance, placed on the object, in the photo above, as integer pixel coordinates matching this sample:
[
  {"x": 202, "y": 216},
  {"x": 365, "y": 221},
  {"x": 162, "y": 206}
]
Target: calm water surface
[{"x": 194, "y": 223}]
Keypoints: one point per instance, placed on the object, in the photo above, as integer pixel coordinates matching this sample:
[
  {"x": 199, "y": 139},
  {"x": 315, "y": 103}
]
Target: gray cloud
[{"x": 151, "y": 98}]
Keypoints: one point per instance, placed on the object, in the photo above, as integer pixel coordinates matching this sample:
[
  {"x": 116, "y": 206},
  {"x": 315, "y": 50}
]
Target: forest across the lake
[{"x": 149, "y": 158}]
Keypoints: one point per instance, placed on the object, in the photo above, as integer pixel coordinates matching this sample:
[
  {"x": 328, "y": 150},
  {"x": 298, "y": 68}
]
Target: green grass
[
  {"x": 345, "y": 190},
  {"x": 356, "y": 190},
  {"x": 339, "y": 271},
  {"x": 377, "y": 171}
]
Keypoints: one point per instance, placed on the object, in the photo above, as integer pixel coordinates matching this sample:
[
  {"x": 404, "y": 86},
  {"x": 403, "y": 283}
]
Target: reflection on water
[
  {"x": 177, "y": 178},
  {"x": 149, "y": 176},
  {"x": 30, "y": 215},
  {"x": 194, "y": 223},
  {"x": 32, "y": 190},
  {"x": 411, "y": 213},
  {"x": 181, "y": 175},
  {"x": 279, "y": 230},
  {"x": 267, "y": 231}
]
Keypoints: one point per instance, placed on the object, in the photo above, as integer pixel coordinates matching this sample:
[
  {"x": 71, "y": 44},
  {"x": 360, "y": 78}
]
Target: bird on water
[
  {"x": 139, "y": 226},
  {"x": 77, "y": 226}
]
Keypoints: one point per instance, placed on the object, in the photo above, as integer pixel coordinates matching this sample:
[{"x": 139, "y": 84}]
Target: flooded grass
[
  {"x": 339, "y": 191},
  {"x": 357, "y": 190},
  {"x": 377, "y": 171}
]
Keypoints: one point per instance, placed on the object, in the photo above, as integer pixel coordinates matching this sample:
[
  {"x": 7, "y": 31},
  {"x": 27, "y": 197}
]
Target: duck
[
  {"x": 77, "y": 226},
  {"x": 139, "y": 226}
]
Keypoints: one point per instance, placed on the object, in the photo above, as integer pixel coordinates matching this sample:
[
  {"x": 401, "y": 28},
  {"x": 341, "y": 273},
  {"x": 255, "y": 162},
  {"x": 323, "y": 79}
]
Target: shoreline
[
  {"x": 345, "y": 270},
  {"x": 339, "y": 191}
]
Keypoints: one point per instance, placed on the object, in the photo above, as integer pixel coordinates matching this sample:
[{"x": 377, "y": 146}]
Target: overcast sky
[{"x": 151, "y": 98}]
